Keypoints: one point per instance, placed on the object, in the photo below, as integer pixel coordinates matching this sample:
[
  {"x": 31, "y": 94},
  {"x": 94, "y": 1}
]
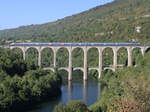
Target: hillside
[{"x": 114, "y": 22}]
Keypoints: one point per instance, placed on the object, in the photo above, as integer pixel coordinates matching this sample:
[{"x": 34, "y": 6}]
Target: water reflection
[
  {"x": 99, "y": 89},
  {"x": 69, "y": 90},
  {"x": 85, "y": 92}
]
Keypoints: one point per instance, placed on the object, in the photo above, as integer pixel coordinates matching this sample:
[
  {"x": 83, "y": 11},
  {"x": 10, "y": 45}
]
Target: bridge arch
[
  {"x": 62, "y": 57},
  {"x": 32, "y": 55},
  {"x": 77, "y": 57},
  {"x": 147, "y": 50},
  {"x": 78, "y": 73},
  {"x": 47, "y": 55},
  {"x": 34, "y": 47},
  {"x": 93, "y": 57},
  {"x": 136, "y": 55},
  {"x": 108, "y": 56},
  {"x": 122, "y": 56}
]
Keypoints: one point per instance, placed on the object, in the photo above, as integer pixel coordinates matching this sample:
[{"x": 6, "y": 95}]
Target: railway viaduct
[{"x": 85, "y": 47}]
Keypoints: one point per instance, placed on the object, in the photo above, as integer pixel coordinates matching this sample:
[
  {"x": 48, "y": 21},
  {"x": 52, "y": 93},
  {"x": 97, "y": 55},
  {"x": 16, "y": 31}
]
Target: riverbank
[
  {"x": 71, "y": 91},
  {"x": 23, "y": 83},
  {"x": 126, "y": 90},
  {"x": 34, "y": 87}
]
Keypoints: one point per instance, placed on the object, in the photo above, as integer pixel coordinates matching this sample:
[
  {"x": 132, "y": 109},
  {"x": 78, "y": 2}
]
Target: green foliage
[
  {"x": 60, "y": 108},
  {"x": 21, "y": 85},
  {"x": 126, "y": 90},
  {"x": 113, "y": 22},
  {"x": 72, "y": 106}
]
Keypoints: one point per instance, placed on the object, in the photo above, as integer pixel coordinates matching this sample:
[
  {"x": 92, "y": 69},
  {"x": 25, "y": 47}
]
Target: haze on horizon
[{"x": 17, "y": 13}]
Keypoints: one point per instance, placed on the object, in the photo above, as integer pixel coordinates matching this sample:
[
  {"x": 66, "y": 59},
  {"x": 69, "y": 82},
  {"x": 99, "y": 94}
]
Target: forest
[
  {"x": 23, "y": 83},
  {"x": 113, "y": 22}
]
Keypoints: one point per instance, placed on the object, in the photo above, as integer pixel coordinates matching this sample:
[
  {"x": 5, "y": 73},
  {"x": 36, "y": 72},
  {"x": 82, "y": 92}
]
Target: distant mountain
[{"x": 119, "y": 21}]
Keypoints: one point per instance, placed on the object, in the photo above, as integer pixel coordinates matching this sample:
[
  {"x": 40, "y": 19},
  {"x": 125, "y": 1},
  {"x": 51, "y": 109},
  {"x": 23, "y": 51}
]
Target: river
[{"x": 86, "y": 91}]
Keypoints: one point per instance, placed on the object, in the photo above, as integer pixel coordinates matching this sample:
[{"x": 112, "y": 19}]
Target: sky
[{"x": 15, "y": 13}]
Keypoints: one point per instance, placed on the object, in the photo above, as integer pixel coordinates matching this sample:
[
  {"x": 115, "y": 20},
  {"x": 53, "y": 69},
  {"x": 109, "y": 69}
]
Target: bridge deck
[{"x": 75, "y": 44}]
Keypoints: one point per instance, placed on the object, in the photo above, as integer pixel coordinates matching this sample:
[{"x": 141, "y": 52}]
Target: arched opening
[
  {"x": 18, "y": 51},
  {"x": 122, "y": 57},
  {"x": 93, "y": 74},
  {"x": 62, "y": 57},
  {"x": 136, "y": 55},
  {"x": 47, "y": 57},
  {"x": 107, "y": 57},
  {"x": 77, "y": 57},
  {"x": 50, "y": 71},
  {"x": 32, "y": 56},
  {"x": 92, "y": 57},
  {"x": 64, "y": 74},
  {"x": 77, "y": 75},
  {"x": 147, "y": 50}
]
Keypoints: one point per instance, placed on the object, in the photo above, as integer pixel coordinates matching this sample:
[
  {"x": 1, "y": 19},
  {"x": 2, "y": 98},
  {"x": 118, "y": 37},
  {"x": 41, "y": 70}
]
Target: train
[{"x": 75, "y": 44}]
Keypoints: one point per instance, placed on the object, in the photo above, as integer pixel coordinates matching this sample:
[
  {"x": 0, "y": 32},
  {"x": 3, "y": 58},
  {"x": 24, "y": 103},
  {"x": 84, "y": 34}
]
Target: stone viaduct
[{"x": 85, "y": 47}]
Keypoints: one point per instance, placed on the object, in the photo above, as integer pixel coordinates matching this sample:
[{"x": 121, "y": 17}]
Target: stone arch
[
  {"x": 122, "y": 56},
  {"x": 48, "y": 68},
  {"x": 77, "y": 57},
  {"x": 33, "y": 47},
  {"x": 78, "y": 74},
  {"x": 92, "y": 57},
  {"x": 32, "y": 55},
  {"x": 47, "y": 55},
  {"x": 63, "y": 47},
  {"x": 136, "y": 55},
  {"x": 109, "y": 68},
  {"x": 78, "y": 68},
  {"x": 147, "y": 50},
  {"x": 108, "y": 56},
  {"x": 62, "y": 57}
]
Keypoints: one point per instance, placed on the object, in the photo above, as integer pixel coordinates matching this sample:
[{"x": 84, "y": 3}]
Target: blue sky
[{"x": 14, "y": 13}]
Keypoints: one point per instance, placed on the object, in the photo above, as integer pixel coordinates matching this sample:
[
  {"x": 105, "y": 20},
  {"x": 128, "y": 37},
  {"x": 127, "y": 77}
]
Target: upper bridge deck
[{"x": 75, "y": 44}]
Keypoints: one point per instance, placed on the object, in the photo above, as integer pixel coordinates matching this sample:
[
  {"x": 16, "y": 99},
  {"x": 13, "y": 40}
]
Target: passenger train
[{"x": 75, "y": 44}]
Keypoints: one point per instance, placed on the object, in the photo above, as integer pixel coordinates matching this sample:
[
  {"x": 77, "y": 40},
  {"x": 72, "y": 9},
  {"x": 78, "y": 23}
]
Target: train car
[{"x": 75, "y": 44}]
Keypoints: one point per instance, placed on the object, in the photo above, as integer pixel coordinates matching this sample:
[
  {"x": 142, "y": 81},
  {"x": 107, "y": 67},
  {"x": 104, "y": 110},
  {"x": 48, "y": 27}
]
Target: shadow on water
[{"x": 86, "y": 91}]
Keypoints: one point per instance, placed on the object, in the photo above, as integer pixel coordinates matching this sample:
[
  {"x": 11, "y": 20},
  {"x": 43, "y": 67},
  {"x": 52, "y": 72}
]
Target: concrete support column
[
  {"x": 39, "y": 58},
  {"x": 143, "y": 51},
  {"x": 115, "y": 58},
  {"x": 85, "y": 63},
  {"x": 24, "y": 55},
  {"x": 129, "y": 57},
  {"x": 55, "y": 51},
  {"x": 100, "y": 62},
  {"x": 70, "y": 64}
]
